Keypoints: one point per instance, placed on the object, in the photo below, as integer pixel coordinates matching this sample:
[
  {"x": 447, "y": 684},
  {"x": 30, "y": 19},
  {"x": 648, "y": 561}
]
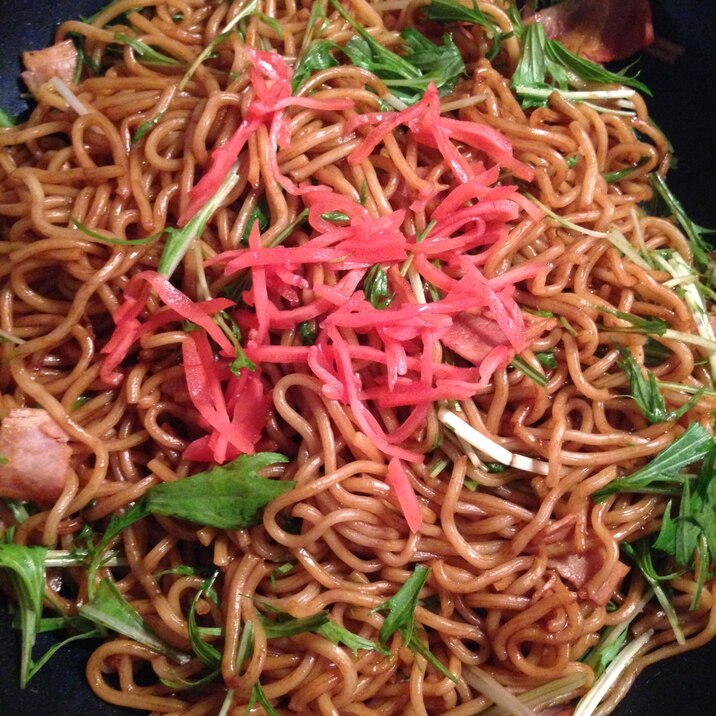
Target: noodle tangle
[{"x": 525, "y": 568}]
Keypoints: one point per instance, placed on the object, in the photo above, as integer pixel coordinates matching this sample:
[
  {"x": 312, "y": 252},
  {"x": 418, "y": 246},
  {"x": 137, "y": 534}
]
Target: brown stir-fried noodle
[{"x": 496, "y": 605}]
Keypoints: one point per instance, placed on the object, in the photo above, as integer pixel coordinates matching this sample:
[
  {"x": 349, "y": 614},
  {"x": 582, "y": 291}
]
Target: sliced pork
[
  {"x": 35, "y": 456},
  {"x": 600, "y": 30},
  {"x": 59, "y": 60}
]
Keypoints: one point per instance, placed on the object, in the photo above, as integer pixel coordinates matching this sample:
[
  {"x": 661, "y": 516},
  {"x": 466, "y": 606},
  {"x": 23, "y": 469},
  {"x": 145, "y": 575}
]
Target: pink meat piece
[
  {"x": 36, "y": 456},
  {"x": 580, "y": 570},
  {"x": 600, "y": 30},
  {"x": 59, "y": 60}
]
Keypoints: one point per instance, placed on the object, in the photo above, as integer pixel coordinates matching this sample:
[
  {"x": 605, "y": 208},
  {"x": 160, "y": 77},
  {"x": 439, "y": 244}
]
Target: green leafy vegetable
[
  {"x": 610, "y": 644},
  {"x": 619, "y": 174},
  {"x": 144, "y": 51},
  {"x": 288, "y": 231},
  {"x": 375, "y": 286},
  {"x": 88, "y": 634},
  {"x": 547, "y": 359},
  {"x": 520, "y": 364},
  {"x": 227, "y": 496},
  {"x": 645, "y": 391},
  {"x": 149, "y": 124},
  {"x": 649, "y": 326},
  {"x": 655, "y": 353},
  {"x": 407, "y": 77},
  {"x": 441, "y": 64},
  {"x": 546, "y": 65},
  {"x": 232, "y": 331},
  {"x": 640, "y": 554},
  {"x": 179, "y": 240},
  {"x": 690, "y": 537},
  {"x": 111, "y": 610},
  {"x": 401, "y": 618},
  {"x": 340, "y": 635},
  {"x": 282, "y": 569},
  {"x": 454, "y": 11},
  {"x": 417, "y": 646},
  {"x": 26, "y": 570},
  {"x": 272, "y": 22},
  {"x": 401, "y": 606},
  {"x": 564, "y": 322},
  {"x": 117, "y": 525},
  {"x": 700, "y": 247},
  {"x": 258, "y": 695},
  {"x": 114, "y": 241},
  {"x": 663, "y": 474},
  {"x": 181, "y": 570},
  {"x": 308, "y": 330},
  {"x": 7, "y": 120},
  {"x": 19, "y": 509},
  {"x": 260, "y": 214},
  {"x": 206, "y": 652},
  {"x": 337, "y": 216},
  {"x": 286, "y": 626},
  {"x": 318, "y": 57}
]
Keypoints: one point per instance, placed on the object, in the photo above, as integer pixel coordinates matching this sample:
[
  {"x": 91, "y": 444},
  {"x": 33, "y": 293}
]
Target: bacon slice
[
  {"x": 600, "y": 30},
  {"x": 59, "y": 60},
  {"x": 580, "y": 570},
  {"x": 37, "y": 455}
]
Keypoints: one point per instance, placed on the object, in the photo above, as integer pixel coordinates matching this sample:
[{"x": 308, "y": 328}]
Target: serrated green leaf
[
  {"x": 25, "y": 567},
  {"x": 401, "y": 607},
  {"x": 111, "y": 610},
  {"x": 663, "y": 472},
  {"x": 227, "y": 496},
  {"x": 340, "y": 635}
]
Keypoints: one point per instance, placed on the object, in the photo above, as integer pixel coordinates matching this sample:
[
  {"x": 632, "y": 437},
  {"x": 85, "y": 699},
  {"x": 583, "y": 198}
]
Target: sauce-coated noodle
[{"x": 525, "y": 568}]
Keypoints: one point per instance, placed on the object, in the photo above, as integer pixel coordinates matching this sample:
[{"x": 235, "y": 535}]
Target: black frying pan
[{"x": 684, "y": 106}]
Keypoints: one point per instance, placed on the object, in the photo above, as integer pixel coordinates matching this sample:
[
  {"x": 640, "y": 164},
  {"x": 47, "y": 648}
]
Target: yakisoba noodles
[{"x": 445, "y": 235}]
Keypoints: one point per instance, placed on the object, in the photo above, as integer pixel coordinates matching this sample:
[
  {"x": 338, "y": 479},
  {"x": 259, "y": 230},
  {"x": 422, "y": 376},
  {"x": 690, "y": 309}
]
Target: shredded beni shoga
[{"x": 380, "y": 277}]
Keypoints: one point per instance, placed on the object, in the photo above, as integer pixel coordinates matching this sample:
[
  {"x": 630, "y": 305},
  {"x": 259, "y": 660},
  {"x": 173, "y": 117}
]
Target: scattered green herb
[
  {"x": 547, "y": 359},
  {"x": 179, "y": 240},
  {"x": 690, "y": 537},
  {"x": 640, "y": 554},
  {"x": 206, "y": 652},
  {"x": 663, "y": 474},
  {"x": 115, "y": 241},
  {"x": 144, "y": 51},
  {"x": 646, "y": 394},
  {"x": 407, "y": 77},
  {"x": 7, "y": 120},
  {"x": 25, "y": 567},
  {"x": 336, "y": 216},
  {"x": 375, "y": 286},
  {"x": 111, "y": 610},
  {"x": 454, "y": 11},
  {"x": 229, "y": 496},
  {"x": 619, "y": 174},
  {"x": 546, "y": 65},
  {"x": 308, "y": 330},
  {"x": 340, "y": 635},
  {"x": 401, "y": 618},
  {"x": 318, "y": 57},
  {"x": 529, "y": 371},
  {"x": 700, "y": 248},
  {"x": 149, "y": 124}
]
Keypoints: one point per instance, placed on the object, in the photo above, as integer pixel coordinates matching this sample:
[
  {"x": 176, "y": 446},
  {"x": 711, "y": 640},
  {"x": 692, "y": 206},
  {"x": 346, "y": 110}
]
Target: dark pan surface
[{"x": 684, "y": 106}]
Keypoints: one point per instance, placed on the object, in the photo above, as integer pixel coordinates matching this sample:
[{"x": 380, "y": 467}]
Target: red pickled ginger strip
[{"x": 399, "y": 483}]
